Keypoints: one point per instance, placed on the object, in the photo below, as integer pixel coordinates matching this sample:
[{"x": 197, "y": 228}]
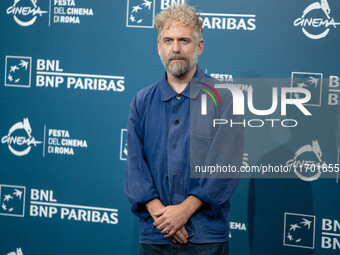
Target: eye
[
  {"x": 185, "y": 41},
  {"x": 167, "y": 40}
]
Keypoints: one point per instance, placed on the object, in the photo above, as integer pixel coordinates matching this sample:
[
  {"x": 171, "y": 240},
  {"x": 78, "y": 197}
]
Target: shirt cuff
[
  {"x": 138, "y": 206},
  {"x": 211, "y": 207}
]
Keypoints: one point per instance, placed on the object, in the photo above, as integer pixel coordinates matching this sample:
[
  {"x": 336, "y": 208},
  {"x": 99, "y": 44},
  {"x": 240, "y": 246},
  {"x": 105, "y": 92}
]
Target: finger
[
  {"x": 184, "y": 232},
  {"x": 171, "y": 233},
  {"x": 165, "y": 231},
  {"x": 160, "y": 212},
  {"x": 162, "y": 226},
  {"x": 177, "y": 238},
  {"x": 158, "y": 221},
  {"x": 173, "y": 240},
  {"x": 180, "y": 235}
]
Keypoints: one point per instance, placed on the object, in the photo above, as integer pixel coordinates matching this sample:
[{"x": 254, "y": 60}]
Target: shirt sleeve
[
  {"x": 139, "y": 185},
  {"x": 225, "y": 149}
]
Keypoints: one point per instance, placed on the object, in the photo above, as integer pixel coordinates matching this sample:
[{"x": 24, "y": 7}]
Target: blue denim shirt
[{"x": 158, "y": 162}]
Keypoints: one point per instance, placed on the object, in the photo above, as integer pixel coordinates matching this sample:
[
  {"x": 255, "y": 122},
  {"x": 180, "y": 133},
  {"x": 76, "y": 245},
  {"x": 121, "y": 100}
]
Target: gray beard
[{"x": 179, "y": 69}]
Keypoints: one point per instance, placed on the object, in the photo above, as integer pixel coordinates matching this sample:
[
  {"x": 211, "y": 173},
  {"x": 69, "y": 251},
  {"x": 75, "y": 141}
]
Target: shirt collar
[{"x": 167, "y": 92}]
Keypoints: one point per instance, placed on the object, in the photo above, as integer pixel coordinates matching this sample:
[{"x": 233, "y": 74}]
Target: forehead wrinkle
[{"x": 178, "y": 30}]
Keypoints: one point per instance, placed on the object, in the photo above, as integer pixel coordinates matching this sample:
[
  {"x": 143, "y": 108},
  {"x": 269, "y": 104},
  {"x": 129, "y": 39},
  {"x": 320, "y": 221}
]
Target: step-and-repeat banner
[{"x": 68, "y": 72}]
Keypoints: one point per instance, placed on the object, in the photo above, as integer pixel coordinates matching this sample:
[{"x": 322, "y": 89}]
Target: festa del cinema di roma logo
[
  {"x": 17, "y": 252},
  {"x": 25, "y": 12},
  {"x": 20, "y": 140},
  {"x": 20, "y": 136},
  {"x": 300, "y": 159},
  {"x": 316, "y": 21}
]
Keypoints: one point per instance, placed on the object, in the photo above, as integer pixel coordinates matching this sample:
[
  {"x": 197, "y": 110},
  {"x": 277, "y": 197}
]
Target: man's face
[{"x": 178, "y": 48}]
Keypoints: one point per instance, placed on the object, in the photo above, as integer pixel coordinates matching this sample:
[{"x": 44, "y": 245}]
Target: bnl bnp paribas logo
[
  {"x": 140, "y": 13},
  {"x": 299, "y": 230},
  {"x": 18, "y": 71},
  {"x": 316, "y": 20},
  {"x": 12, "y": 200},
  {"x": 43, "y": 204},
  {"x": 302, "y": 231},
  {"x": 50, "y": 74},
  {"x": 313, "y": 82},
  {"x": 310, "y": 81}
]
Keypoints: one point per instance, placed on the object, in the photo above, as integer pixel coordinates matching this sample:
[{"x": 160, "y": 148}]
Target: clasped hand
[{"x": 170, "y": 221}]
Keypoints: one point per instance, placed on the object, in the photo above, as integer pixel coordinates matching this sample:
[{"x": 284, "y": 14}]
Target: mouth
[{"x": 177, "y": 58}]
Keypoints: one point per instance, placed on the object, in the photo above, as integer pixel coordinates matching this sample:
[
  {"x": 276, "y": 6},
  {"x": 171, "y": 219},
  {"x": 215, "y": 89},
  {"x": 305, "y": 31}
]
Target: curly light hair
[{"x": 183, "y": 13}]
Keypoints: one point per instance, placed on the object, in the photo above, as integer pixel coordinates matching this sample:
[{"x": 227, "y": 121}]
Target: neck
[{"x": 178, "y": 84}]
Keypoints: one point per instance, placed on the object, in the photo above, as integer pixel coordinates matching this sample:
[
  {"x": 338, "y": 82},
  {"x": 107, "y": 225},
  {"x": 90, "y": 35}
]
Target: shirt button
[
  {"x": 178, "y": 97},
  {"x": 176, "y": 122}
]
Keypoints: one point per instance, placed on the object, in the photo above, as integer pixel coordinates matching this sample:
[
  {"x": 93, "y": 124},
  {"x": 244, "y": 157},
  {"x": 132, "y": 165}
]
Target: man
[{"x": 176, "y": 212}]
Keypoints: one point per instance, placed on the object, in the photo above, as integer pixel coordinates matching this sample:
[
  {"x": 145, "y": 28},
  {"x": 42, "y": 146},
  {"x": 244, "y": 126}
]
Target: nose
[{"x": 176, "y": 47}]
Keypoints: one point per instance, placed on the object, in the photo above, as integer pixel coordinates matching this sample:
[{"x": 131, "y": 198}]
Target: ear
[{"x": 200, "y": 47}]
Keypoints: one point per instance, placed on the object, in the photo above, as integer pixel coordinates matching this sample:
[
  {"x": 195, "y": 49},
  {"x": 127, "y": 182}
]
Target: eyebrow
[{"x": 180, "y": 38}]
